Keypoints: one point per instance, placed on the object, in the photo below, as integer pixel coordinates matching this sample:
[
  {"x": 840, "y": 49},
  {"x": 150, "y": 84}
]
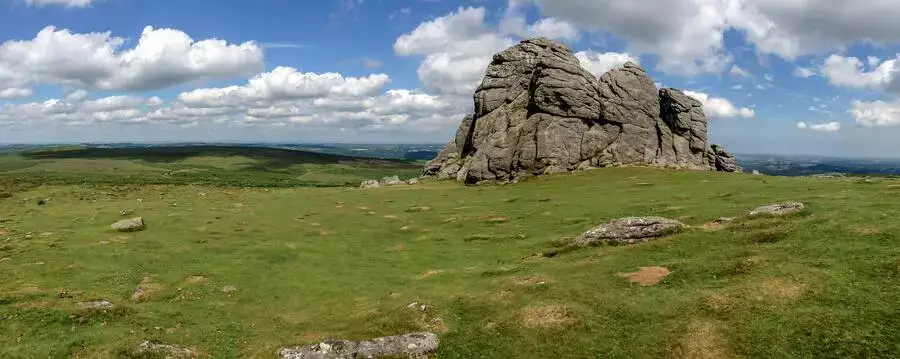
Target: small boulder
[
  {"x": 155, "y": 349},
  {"x": 412, "y": 345},
  {"x": 757, "y": 173},
  {"x": 391, "y": 181},
  {"x": 370, "y": 184},
  {"x": 96, "y": 304},
  {"x": 129, "y": 225},
  {"x": 630, "y": 230},
  {"x": 412, "y": 181},
  {"x": 778, "y": 209}
]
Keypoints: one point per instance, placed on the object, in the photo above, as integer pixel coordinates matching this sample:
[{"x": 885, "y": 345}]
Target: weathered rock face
[
  {"x": 722, "y": 160},
  {"x": 538, "y": 111}
]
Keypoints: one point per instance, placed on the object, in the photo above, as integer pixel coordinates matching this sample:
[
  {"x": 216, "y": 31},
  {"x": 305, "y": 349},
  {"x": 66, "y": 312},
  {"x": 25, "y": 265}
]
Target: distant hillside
[{"x": 216, "y": 164}]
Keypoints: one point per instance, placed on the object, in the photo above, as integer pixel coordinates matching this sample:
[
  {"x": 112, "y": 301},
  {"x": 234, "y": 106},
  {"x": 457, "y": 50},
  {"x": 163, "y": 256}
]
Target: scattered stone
[
  {"x": 630, "y": 230},
  {"x": 155, "y": 349},
  {"x": 647, "y": 276},
  {"x": 370, "y": 184},
  {"x": 96, "y": 304},
  {"x": 64, "y": 294},
  {"x": 413, "y": 305},
  {"x": 778, "y": 209},
  {"x": 391, "y": 181},
  {"x": 418, "y": 209},
  {"x": 757, "y": 173},
  {"x": 412, "y": 345},
  {"x": 126, "y": 212},
  {"x": 412, "y": 181},
  {"x": 129, "y": 225},
  {"x": 229, "y": 289},
  {"x": 42, "y": 202}
]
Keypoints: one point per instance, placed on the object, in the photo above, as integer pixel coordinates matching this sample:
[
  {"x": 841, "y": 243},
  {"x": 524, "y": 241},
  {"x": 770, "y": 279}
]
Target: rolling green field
[
  {"x": 240, "y": 271},
  {"x": 198, "y": 165}
]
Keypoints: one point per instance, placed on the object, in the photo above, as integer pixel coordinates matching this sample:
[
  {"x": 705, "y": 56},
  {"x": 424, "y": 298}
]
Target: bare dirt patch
[
  {"x": 3, "y": 232},
  {"x": 39, "y": 304},
  {"x": 703, "y": 340},
  {"x": 530, "y": 281},
  {"x": 195, "y": 279},
  {"x": 866, "y": 231},
  {"x": 718, "y": 224},
  {"x": 647, "y": 276},
  {"x": 551, "y": 316},
  {"x": 146, "y": 289},
  {"x": 432, "y": 272},
  {"x": 779, "y": 290}
]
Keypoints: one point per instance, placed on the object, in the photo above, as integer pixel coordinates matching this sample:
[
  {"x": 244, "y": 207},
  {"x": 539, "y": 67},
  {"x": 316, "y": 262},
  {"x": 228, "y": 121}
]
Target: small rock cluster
[
  {"x": 634, "y": 230},
  {"x": 155, "y": 349},
  {"x": 412, "y": 345},
  {"x": 388, "y": 181}
]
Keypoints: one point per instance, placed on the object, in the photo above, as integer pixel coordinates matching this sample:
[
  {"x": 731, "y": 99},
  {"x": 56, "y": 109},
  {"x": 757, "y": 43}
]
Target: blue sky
[{"x": 775, "y": 76}]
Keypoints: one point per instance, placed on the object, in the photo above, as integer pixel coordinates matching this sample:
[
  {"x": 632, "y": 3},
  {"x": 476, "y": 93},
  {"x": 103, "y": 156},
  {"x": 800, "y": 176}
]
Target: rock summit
[{"x": 538, "y": 111}]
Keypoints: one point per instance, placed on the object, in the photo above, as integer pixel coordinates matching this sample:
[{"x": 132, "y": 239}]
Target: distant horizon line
[{"x": 152, "y": 143}]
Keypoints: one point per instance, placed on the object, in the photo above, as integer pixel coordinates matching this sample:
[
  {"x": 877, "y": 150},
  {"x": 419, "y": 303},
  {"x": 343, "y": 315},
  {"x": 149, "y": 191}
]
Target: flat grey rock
[
  {"x": 96, "y": 304},
  {"x": 160, "y": 350},
  {"x": 412, "y": 345},
  {"x": 629, "y": 230},
  {"x": 129, "y": 225},
  {"x": 778, "y": 209}
]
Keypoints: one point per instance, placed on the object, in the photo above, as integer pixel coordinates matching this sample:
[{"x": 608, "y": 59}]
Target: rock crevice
[{"x": 537, "y": 111}]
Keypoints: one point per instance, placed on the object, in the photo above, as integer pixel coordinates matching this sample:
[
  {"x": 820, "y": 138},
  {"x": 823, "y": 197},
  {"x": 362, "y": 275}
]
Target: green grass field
[
  {"x": 311, "y": 263},
  {"x": 197, "y": 165}
]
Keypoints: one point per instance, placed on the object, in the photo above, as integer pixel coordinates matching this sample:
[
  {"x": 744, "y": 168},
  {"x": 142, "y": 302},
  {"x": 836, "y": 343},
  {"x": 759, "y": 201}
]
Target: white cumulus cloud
[
  {"x": 688, "y": 35},
  {"x": 15, "y": 93},
  {"x": 717, "y": 107},
  {"x": 65, "y": 3},
  {"x": 821, "y": 127},
  {"x": 854, "y": 73},
  {"x": 876, "y": 113},
  {"x": 161, "y": 58},
  {"x": 599, "y": 63}
]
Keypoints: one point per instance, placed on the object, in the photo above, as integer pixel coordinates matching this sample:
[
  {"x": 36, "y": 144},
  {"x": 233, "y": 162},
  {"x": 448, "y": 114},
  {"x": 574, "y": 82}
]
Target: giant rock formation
[{"x": 538, "y": 111}]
